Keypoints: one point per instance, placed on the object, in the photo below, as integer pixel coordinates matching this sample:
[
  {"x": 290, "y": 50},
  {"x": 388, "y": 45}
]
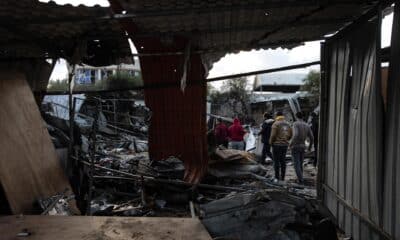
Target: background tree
[
  {"x": 312, "y": 83},
  {"x": 233, "y": 99}
]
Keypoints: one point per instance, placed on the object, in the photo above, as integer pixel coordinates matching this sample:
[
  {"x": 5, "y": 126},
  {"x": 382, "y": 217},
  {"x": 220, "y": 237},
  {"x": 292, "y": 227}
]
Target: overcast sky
[{"x": 245, "y": 61}]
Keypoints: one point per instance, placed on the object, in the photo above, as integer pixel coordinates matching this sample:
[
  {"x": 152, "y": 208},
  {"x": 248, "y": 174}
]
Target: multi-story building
[{"x": 85, "y": 74}]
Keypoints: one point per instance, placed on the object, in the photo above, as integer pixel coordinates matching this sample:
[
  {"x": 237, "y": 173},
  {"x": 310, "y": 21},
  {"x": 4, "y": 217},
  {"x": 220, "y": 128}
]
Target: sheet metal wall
[
  {"x": 178, "y": 124},
  {"x": 353, "y": 145},
  {"x": 391, "y": 197}
]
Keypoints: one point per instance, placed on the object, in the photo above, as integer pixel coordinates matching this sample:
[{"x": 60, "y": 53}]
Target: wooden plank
[
  {"x": 102, "y": 228},
  {"x": 29, "y": 167}
]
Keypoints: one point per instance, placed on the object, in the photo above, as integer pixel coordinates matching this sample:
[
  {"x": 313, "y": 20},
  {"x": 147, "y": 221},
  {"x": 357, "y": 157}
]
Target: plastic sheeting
[{"x": 353, "y": 146}]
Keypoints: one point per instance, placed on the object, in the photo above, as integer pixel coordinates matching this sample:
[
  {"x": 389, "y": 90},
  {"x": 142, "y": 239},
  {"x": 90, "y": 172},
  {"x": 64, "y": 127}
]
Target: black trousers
[
  {"x": 279, "y": 157},
  {"x": 315, "y": 153},
  {"x": 266, "y": 151}
]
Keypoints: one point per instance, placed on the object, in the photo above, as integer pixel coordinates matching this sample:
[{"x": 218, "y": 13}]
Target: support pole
[
  {"x": 71, "y": 73},
  {"x": 92, "y": 157}
]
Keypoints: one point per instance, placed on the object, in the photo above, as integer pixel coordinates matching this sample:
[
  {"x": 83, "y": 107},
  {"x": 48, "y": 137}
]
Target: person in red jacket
[
  {"x": 221, "y": 133},
  {"x": 235, "y": 135}
]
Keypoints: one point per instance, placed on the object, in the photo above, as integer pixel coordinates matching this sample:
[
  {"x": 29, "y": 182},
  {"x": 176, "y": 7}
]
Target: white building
[{"x": 85, "y": 74}]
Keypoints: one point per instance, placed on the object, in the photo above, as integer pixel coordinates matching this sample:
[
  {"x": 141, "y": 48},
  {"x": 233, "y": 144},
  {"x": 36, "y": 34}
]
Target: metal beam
[
  {"x": 177, "y": 84},
  {"x": 378, "y": 229},
  {"x": 280, "y": 69}
]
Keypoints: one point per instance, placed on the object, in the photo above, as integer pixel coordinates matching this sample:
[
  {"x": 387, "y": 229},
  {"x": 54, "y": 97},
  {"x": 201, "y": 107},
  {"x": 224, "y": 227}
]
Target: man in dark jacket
[{"x": 265, "y": 134}]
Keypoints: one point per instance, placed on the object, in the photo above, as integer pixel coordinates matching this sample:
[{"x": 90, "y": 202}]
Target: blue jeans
[
  {"x": 298, "y": 158},
  {"x": 238, "y": 145},
  {"x": 279, "y": 157}
]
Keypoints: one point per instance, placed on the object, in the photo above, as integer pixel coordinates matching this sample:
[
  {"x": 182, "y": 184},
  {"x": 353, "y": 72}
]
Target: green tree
[
  {"x": 58, "y": 85},
  {"x": 233, "y": 96},
  {"x": 312, "y": 83}
]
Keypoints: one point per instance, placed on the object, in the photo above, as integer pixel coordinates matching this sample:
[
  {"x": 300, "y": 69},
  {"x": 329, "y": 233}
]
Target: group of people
[
  {"x": 277, "y": 134},
  {"x": 281, "y": 136},
  {"x": 232, "y": 137}
]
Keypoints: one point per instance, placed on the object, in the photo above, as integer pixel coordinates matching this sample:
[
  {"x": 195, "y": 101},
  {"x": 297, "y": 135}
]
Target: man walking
[
  {"x": 265, "y": 134},
  {"x": 279, "y": 139},
  {"x": 235, "y": 135},
  {"x": 301, "y": 131}
]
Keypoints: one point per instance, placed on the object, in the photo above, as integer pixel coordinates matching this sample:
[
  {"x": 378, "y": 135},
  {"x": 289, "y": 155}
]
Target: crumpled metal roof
[
  {"x": 32, "y": 29},
  {"x": 243, "y": 24}
]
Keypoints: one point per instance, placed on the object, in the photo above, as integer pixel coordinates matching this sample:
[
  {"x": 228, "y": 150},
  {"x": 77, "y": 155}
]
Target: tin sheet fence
[{"x": 356, "y": 170}]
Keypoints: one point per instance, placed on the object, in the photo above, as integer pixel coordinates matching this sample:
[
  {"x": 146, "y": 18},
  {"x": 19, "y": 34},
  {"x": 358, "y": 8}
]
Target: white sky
[
  {"x": 103, "y": 3},
  {"x": 244, "y": 61}
]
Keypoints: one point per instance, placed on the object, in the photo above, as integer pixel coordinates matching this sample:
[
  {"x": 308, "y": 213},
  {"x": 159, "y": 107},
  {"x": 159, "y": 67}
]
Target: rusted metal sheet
[{"x": 178, "y": 123}]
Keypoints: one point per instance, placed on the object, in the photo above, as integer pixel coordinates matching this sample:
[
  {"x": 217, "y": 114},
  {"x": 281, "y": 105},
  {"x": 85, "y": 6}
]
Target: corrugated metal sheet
[
  {"x": 391, "y": 197},
  {"x": 178, "y": 124},
  {"x": 224, "y": 24},
  {"x": 242, "y": 25},
  {"x": 217, "y": 27},
  {"x": 353, "y": 147},
  {"x": 33, "y": 29}
]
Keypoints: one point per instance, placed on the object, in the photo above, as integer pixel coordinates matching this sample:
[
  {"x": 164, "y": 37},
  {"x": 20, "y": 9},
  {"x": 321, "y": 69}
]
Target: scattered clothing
[
  {"x": 279, "y": 139},
  {"x": 221, "y": 134},
  {"x": 301, "y": 131},
  {"x": 235, "y": 135}
]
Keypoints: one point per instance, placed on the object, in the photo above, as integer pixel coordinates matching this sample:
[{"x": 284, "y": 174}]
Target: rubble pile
[{"x": 237, "y": 199}]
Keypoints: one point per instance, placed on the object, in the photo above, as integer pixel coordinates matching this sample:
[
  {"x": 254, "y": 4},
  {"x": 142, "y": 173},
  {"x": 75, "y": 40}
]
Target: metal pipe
[
  {"x": 71, "y": 73},
  {"x": 135, "y": 177},
  {"x": 280, "y": 69},
  {"x": 358, "y": 213},
  {"x": 92, "y": 160}
]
